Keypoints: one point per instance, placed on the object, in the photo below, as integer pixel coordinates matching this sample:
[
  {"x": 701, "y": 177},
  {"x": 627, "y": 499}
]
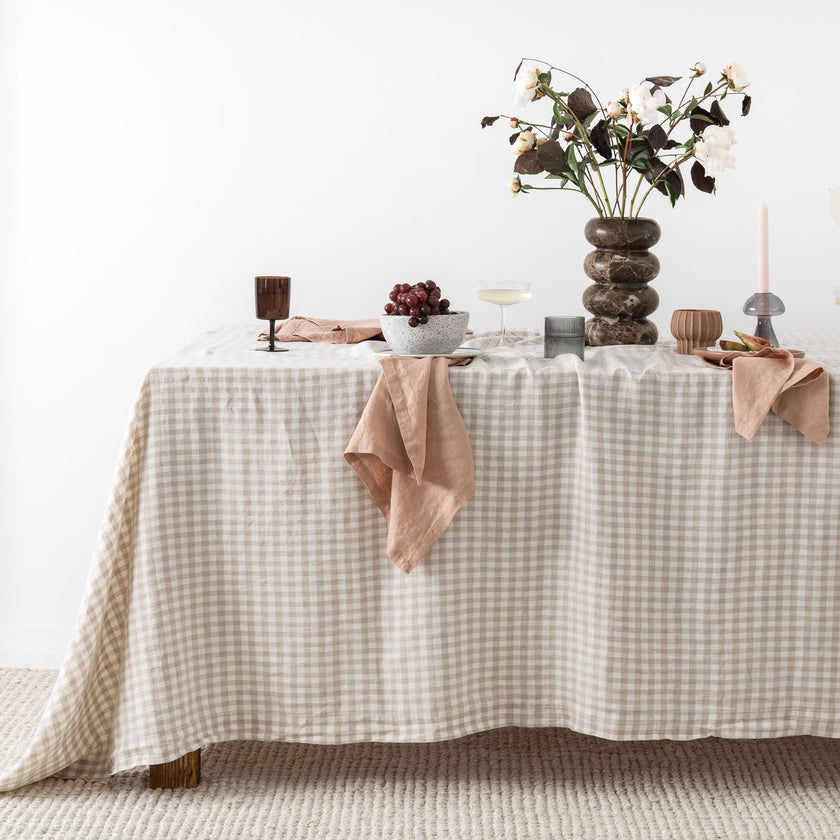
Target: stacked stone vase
[{"x": 621, "y": 267}]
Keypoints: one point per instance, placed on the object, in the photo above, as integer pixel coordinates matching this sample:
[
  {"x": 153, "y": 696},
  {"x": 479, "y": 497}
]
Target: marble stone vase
[{"x": 621, "y": 267}]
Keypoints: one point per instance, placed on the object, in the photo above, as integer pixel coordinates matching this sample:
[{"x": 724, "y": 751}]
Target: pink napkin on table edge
[
  {"x": 774, "y": 379},
  {"x": 299, "y": 328},
  {"x": 412, "y": 451}
]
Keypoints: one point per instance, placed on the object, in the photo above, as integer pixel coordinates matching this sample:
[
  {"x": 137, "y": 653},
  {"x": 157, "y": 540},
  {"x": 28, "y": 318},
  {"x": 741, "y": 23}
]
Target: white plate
[{"x": 458, "y": 353}]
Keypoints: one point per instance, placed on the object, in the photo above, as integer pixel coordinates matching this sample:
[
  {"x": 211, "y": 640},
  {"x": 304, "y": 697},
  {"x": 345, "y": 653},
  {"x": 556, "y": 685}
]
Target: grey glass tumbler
[{"x": 564, "y": 334}]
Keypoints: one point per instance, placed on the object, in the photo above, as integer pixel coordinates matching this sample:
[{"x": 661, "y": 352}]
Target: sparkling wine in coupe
[
  {"x": 504, "y": 297},
  {"x": 504, "y": 293}
]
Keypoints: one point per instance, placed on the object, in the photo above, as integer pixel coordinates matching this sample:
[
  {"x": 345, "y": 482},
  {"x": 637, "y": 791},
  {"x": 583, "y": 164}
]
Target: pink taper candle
[{"x": 763, "y": 250}]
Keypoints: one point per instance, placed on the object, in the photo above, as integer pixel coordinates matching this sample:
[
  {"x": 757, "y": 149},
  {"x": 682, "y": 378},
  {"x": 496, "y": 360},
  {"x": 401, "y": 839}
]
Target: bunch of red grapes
[{"x": 417, "y": 301}]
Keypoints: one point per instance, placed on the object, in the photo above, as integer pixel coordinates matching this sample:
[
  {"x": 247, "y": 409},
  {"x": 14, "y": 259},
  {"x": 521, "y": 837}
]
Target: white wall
[{"x": 155, "y": 155}]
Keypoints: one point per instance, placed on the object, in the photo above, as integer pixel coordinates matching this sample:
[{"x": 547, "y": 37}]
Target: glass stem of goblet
[
  {"x": 503, "y": 327},
  {"x": 271, "y": 335}
]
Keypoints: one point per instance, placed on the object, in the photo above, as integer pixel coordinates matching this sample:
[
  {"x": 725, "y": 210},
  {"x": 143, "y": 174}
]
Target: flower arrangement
[{"x": 634, "y": 135}]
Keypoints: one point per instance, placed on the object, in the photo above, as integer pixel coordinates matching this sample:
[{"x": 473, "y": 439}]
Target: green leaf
[
  {"x": 561, "y": 117},
  {"x": 666, "y": 109},
  {"x": 708, "y": 89}
]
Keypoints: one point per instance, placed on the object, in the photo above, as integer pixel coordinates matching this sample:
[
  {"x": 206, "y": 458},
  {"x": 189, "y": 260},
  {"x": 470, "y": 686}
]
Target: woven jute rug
[{"x": 509, "y": 783}]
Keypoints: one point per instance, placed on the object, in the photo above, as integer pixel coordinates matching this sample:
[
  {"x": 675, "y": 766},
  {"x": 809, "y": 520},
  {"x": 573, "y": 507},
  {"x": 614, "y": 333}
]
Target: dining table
[{"x": 628, "y": 567}]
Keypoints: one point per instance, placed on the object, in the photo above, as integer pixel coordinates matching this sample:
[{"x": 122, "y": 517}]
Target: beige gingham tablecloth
[{"x": 628, "y": 567}]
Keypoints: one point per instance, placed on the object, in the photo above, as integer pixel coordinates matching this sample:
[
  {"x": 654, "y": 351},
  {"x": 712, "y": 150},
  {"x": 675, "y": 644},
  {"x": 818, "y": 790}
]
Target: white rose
[
  {"x": 525, "y": 142},
  {"x": 736, "y": 75},
  {"x": 525, "y": 85},
  {"x": 514, "y": 123},
  {"x": 624, "y": 95},
  {"x": 642, "y": 104},
  {"x": 700, "y": 68},
  {"x": 713, "y": 148},
  {"x": 614, "y": 110},
  {"x": 514, "y": 185}
]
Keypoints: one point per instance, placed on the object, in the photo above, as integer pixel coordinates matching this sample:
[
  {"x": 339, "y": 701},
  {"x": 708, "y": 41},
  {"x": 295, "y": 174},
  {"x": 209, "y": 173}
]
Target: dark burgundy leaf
[
  {"x": 552, "y": 158},
  {"x": 700, "y": 179},
  {"x": 513, "y": 137},
  {"x": 528, "y": 163},
  {"x": 516, "y": 72},
  {"x": 745, "y": 105},
  {"x": 672, "y": 144},
  {"x": 581, "y": 104},
  {"x": 657, "y": 172},
  {"x": 488, "y": 121},
  {"x": 641, "y": 144},
  {"x": 555, "y": 133},
  {"x": 657, "y": 137},
  {"x": 697, "y": 125},
  {"x": 675, "y": 179},
  {"x": 717, "y": 114},
  {"x": 654, "y": 170},
  {"x": 663, "y": 81},
  {"x": 600, "y": 139}
]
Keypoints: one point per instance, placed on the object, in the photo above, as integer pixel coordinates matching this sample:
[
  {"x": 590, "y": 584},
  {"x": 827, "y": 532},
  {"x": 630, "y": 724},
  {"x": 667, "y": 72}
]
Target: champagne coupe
[
  {"x": 504, "y": 293},
  {"x": 272, "y": 298}
]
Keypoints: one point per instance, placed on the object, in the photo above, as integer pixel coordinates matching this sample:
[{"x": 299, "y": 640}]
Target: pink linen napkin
[
  {"x": 412, "y": 451},
  {"x": 779, "y": 380},
  {"x": 299, "y": 328}
]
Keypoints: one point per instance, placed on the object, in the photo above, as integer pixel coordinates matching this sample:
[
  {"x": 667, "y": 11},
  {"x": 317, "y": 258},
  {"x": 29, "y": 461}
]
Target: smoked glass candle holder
[
  {"x": 272, "y": 299},
  {"x": 764, "y": 305}
]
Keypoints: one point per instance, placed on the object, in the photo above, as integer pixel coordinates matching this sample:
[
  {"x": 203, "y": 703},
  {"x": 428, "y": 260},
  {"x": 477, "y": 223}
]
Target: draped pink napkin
[
  {"x": 299, "y": 328},
  {"x": 775, "y": 380},
  {"x": 412, "y": 451}
]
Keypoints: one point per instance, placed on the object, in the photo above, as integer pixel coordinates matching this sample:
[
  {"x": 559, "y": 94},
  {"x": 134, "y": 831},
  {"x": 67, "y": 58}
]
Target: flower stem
[
  {"x": 672, "y": 168},
  {"x": 585, "y": 138}
]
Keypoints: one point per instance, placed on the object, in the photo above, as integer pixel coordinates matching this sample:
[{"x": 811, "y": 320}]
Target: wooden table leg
[{"x": 184, "y": 772}]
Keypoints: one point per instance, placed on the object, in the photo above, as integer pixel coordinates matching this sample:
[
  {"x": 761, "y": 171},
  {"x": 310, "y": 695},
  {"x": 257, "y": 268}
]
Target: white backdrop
[{"x": 157, "y": 155}]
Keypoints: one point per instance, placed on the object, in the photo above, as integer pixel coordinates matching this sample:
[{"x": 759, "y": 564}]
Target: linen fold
[
  {"x": 412, "y": 451},
  {"x": 300, "y": 328},
  {"x": 777, "y": 380}
]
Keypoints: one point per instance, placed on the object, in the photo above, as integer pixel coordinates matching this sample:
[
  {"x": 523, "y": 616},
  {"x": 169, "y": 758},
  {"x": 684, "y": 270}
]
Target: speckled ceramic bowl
[{"x": 442, "y": 334}]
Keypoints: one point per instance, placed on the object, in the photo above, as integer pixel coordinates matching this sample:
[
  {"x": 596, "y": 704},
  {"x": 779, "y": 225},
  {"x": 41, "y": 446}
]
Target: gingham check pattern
[{"x": 629, "y": 566}]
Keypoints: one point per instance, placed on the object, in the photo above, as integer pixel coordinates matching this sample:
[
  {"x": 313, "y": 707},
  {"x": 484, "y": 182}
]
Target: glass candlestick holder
[{"x": 764, "y": 305}]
